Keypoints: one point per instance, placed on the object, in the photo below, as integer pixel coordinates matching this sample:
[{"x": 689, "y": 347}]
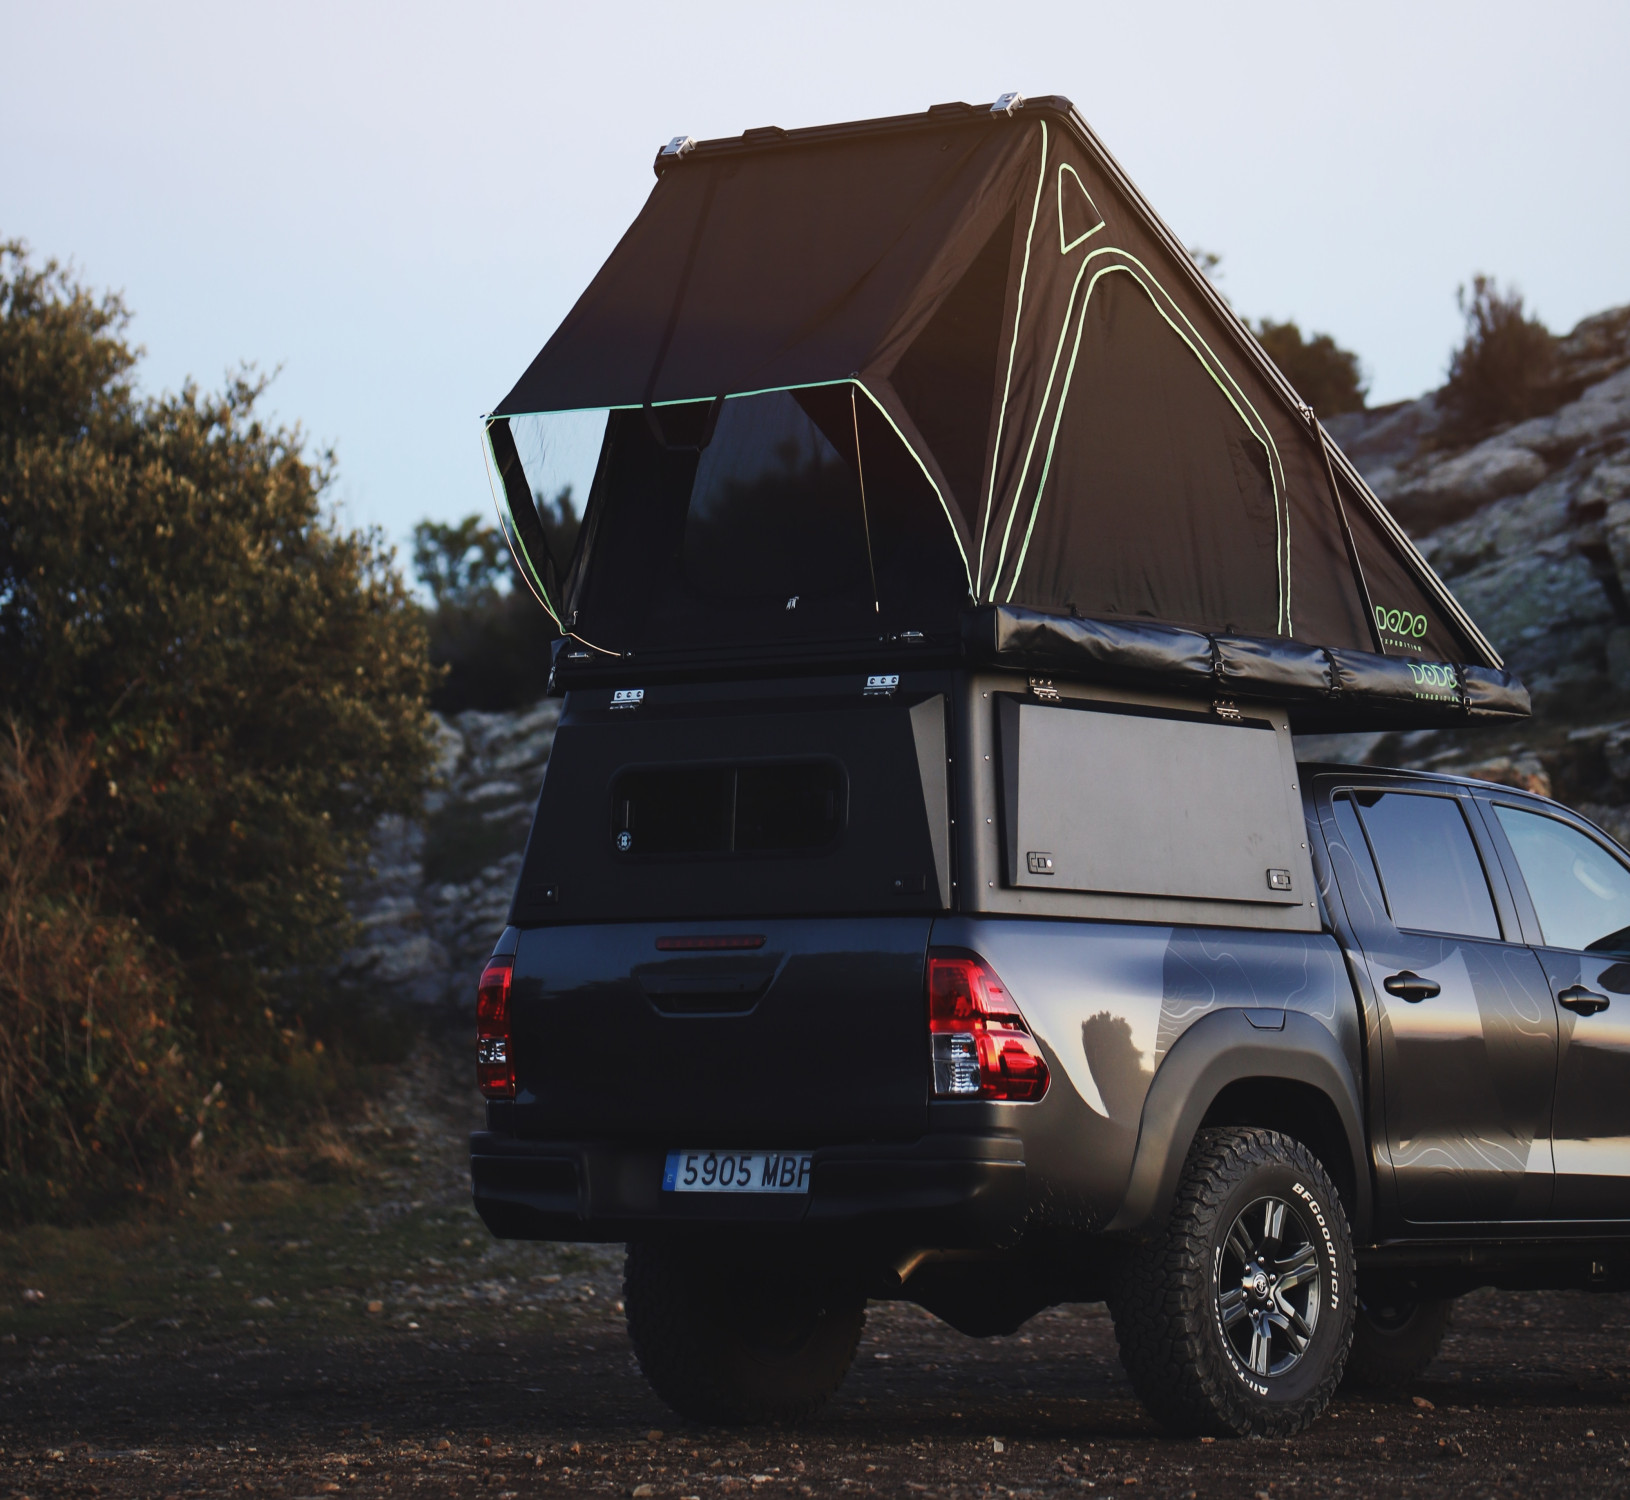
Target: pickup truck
[
  {"x": 969, "y": 989},
  {"x": 924, "y": 899}
]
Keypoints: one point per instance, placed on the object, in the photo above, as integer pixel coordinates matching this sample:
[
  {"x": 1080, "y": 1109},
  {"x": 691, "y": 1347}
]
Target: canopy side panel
[
  {"x": 1326, "y": 603},
  {"x": 1146, "y": 467},
  {"x": 1157, "y": 499},
  {"x": 1410, "y": 622}
]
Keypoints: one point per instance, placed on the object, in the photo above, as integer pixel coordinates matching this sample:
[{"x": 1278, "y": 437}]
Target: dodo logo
[
  {"x": 1433, "y": 679},
  {"x": 1400, "y": 623}
]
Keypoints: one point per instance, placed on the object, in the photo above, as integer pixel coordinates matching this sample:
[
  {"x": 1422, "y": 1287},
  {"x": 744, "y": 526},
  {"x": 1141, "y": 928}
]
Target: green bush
[
  {"x": 488, "y": 634},
  {"x": 1505, "y": 370},
  {"x": 1326, "y": 376},
  {"x": 244, "y": 680}
]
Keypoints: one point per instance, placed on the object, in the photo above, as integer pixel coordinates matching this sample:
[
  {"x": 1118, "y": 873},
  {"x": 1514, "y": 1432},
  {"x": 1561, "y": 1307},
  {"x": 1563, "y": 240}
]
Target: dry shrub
[
  {"x": 1505, "y": 370},
  {"x": 96, "y": 1101}
]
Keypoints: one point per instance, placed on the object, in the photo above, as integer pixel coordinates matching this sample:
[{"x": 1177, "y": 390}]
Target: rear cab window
[{"x": 1425, "y": 858}]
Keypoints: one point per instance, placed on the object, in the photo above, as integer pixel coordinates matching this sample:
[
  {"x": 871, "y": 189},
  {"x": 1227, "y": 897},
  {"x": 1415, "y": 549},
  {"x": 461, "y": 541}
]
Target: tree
[
  {"x": 246, "y": 679},
  {"x": 463, "y": 566},
  {"x": 1326, "y": 376},
  {"x": 1505, "y": 368},
  {"x": 487, "y": 631}
]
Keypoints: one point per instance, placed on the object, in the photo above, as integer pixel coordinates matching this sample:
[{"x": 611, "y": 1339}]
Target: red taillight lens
[
  {"x": 494, "y": 1065},
  {"x": 980, "y": 1045}
]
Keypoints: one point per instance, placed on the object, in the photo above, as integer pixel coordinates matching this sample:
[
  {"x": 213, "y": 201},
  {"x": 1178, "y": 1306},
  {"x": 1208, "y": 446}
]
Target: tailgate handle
[
  {"x": 703, "y": 984},
  {"x": 700, "y": 994}
]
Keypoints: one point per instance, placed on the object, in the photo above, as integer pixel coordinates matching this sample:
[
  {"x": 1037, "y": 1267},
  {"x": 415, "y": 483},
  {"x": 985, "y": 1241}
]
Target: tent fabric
[
  {"x": 1105, "y": 439},
  {"x": 1324, "y": 688}
]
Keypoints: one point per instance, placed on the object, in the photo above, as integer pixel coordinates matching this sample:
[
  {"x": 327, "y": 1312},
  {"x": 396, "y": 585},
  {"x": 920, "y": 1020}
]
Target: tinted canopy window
[
  {"x": 780, "y": 807},
  {"x": 1581, "y": 894},
  {"x": 1430, "y": 869}
]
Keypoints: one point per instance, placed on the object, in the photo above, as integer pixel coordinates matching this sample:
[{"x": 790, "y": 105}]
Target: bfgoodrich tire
[
  {"x": 1394, "y": 1339},
  {"x": 728, "y": 1339},
  {"x": 1237, "y": 1318}
]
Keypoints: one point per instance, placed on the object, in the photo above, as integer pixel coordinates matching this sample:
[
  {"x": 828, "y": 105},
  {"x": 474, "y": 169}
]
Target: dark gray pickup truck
[
  {"x": 1343, "y": 1044},
  {"x": 924, "y": 899}
]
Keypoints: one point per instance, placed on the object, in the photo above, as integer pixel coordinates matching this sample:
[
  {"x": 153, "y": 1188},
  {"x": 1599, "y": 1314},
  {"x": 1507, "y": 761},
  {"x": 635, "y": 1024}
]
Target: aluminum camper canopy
[{"x": 945, "y": 384}]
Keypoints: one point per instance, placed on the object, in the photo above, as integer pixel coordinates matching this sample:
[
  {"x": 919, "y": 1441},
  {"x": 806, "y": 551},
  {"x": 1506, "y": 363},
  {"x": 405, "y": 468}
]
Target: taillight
[
  {"x": 494, "y": 1066},
  {"x": 979, "y": 1042}
]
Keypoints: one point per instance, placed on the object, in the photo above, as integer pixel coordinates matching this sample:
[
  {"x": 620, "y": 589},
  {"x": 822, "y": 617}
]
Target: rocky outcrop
[
  {"x": 436, "y": 893},
  {"x": 1531, "y": 529}
]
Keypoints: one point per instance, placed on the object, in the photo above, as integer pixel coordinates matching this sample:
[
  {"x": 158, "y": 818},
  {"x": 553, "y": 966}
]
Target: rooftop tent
[{"x": 947, "y": 381}]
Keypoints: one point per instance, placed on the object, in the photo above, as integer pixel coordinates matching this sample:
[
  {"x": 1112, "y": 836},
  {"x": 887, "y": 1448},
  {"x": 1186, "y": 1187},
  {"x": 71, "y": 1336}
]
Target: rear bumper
[{"x": 945, "y": 1191}]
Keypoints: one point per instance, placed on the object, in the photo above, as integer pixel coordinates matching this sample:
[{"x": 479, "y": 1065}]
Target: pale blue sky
[{"x": 397, "y": 203}]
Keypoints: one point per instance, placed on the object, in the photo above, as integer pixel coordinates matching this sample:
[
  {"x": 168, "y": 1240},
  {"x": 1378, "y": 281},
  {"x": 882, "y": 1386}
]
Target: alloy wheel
[{"x": 1268, "y": 1287}]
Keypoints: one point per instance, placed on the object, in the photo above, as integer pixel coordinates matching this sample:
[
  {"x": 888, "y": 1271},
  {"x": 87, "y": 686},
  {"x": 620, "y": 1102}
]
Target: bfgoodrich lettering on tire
[
  {"x": 1237, "y": 1318},
  {"x": 727, "y": 1338}
]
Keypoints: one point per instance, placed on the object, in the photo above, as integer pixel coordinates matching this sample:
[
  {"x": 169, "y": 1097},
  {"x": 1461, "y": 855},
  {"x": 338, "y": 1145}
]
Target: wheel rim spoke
[
  {"x": 1301, "y": 1335},
  {"x": 1297, "y": 1268},
  {"x": 1239, "y": 1244},
  {"x": 1232, "y": 1306},
  {"x": 1261, "y": 1344},
  {"x": 1273, "y": 1222}
]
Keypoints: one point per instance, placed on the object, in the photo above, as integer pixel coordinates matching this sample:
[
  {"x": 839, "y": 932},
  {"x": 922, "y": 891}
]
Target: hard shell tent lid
[{"x": 948, "y": 376}]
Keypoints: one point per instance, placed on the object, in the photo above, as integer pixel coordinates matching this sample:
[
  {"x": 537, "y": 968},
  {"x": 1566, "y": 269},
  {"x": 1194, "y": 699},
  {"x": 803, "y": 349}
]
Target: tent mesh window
[{"x": 773, "y": 527}]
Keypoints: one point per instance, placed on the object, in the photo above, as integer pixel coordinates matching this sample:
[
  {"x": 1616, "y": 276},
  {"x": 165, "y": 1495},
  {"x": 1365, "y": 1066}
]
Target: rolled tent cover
[{"x": 948, "y": 377}]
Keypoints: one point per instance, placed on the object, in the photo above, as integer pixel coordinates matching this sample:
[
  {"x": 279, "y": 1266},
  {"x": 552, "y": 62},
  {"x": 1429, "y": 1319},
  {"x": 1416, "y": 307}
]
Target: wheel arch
[{"x": 1228, "y": 1070}]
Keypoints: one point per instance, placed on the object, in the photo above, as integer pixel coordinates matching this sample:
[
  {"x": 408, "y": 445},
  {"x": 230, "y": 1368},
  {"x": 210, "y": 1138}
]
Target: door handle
[
  {"x": 1585, "y": 1002},
  {"x": 1409, "y": 986}
]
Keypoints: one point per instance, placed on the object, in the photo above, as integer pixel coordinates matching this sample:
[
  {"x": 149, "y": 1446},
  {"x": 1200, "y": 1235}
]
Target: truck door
[
  {"x": 1467, "y": 1034},
  {"x": 1579, "y": 920}
]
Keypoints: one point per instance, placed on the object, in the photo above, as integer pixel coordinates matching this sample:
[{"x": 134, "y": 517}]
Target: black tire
[
  {"x": 1395, "y": 1338},
  {"x": 726, "y": 1339},
  {"x": 1218, "y": 1341}
]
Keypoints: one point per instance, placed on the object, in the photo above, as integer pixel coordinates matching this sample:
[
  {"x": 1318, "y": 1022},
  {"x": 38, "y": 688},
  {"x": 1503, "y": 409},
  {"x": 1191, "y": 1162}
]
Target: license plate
[{"x": 737, "y": 1172}]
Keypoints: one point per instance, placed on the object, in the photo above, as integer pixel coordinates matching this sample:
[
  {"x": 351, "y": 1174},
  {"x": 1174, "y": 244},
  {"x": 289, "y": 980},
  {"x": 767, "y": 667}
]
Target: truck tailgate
[{"x": 818, "y": 1034}]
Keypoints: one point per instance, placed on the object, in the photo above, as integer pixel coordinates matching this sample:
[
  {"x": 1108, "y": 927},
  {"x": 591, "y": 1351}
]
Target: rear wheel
[
  {"x": 723, "y": 1338},
  {"x": 1394, "y": 1339},
  {"x": 1237, "y": 1318}
]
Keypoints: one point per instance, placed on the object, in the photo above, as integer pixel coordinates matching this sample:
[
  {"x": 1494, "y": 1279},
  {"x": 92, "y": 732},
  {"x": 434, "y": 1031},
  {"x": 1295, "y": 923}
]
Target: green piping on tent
[
  {"x": 511, "y": 531},
  {"x": 1012, "y": 350},
  {"x": 1080, "y": 239},
  {"x": 1254, "y": 423}
]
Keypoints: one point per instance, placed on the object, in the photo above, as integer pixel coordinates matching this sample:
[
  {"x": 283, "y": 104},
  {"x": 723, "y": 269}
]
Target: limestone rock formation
[
  {"x": 436, "y": 893},
  {"x": 1531, "y": 529}
]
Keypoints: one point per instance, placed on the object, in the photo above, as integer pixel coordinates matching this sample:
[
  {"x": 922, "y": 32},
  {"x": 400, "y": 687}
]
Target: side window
[
  {"x": 1430, "y": 869},
  {"x": 1581, "y": 894}
]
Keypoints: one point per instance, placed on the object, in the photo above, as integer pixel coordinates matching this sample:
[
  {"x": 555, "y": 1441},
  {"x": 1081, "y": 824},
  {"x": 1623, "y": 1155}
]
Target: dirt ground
[{"x": 295, "y": 1338}]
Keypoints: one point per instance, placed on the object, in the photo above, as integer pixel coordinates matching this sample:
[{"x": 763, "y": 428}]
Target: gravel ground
[{"x": 366, "y": 1336}]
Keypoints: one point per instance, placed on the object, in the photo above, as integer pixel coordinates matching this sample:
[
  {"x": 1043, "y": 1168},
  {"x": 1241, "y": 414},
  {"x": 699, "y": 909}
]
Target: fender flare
[{"x": 1221, "y": 1048}]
